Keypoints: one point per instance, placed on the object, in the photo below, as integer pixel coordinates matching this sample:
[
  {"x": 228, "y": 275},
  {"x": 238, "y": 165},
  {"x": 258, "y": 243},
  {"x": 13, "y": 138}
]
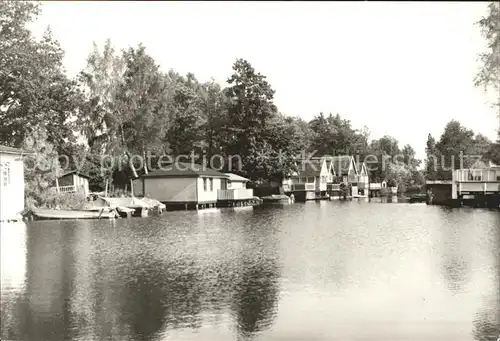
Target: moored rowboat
[{"x": 46, "y": 213}]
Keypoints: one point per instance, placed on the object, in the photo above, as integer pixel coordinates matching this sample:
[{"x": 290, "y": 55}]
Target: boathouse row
[
  {"x": 187, "y": 185},
  {"x": 328, "y": 175}
]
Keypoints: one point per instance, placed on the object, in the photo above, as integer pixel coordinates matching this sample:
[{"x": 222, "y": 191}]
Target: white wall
[
  {"x": 138, "y": 187},
  {"x": 11, "y": 195},
  {"x": 171, "y": 189},
  {"x": 81, "y": 184},
  {"x": 208, "y": 195},
  {"x": 237, "y": 184}
]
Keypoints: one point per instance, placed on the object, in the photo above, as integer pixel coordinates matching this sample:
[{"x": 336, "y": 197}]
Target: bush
[
  {"x": 119, "y": 192},
  {"x": 63, "y": 201}
]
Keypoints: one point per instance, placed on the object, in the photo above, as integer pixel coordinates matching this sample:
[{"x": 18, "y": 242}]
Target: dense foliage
[
  {"x": 122, "y": 105},
  {"x": 489, "y": 75}
]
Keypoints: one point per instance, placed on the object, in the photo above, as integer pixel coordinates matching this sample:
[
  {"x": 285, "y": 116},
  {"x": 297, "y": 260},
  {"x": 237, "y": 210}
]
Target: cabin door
[{"x": 223, "y": 184}]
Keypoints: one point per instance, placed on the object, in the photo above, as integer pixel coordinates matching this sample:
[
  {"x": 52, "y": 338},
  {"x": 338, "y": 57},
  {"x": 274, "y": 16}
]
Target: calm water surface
[{"x": 314, "y": 271}]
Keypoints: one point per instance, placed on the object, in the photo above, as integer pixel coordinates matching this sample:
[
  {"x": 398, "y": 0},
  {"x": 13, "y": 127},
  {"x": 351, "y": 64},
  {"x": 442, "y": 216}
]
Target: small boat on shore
[
  {"x": 130, "y": 206},
  {"x": 48, "y": 214},
  {"x": 277, "y": 199}
]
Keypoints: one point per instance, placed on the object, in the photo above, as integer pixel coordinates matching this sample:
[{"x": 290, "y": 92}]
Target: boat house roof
[
  {"x": 341, "y": 164},
  {"x": 310, "y": 168},
  {"x": 10, "y": 150},
  {"x": 236, "y": 178},
  {"x": 184, "y": 170},
  {"x": 83, "y": 175}
]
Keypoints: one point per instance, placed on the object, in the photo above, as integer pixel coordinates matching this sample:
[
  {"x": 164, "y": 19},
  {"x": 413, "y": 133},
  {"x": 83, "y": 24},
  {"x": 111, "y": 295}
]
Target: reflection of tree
[
  {"x": 455, "y": 267},
  {"x": 155, "y": 294},
  {"x": 256, "y": 297},
  {"x": 487, "y": 326},
  {"x": 455, "y": 271},
  {"x": 256, "y": 289},
  {"x": 487, "y": 322},
  {"x": 43, "y": 313}
]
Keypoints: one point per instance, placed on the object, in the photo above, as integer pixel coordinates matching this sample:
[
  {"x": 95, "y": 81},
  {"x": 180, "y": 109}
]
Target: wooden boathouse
[
  {"x": 468, "y": 187},
  {"x": 310, "y": 181},
  {"x": 192, "y": 186},
  {"x": 234, "y": 192},
  {"x": 327, "y": 177}
]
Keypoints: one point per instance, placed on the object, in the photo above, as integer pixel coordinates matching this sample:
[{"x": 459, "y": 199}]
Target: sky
[{"x": 403, "y": 69}]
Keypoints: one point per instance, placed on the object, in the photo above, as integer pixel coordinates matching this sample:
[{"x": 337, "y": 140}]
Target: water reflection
[
  {"x": 487, "y": 321},
  {"x": 158, "y": 293},
  {"x": 12, "y": 272},
  {"x": 42, "y": 312},
  {"x": 457, "y": 247},
  {"x": 256, "y": 288},
  {"x": 185, "y": 275},
  {"x": 256, "y": 298}
]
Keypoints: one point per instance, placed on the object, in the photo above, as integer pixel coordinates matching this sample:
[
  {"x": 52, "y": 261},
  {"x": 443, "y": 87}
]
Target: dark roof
[
  {"x": 310, "y": 168},
  {"x": 10, "y": 150},
  {"x": 181, "y": 169},
  {"x": 359, "y": 167},
  {"x": 340, "y": 164},
  {"x": 83, "y": 175}
]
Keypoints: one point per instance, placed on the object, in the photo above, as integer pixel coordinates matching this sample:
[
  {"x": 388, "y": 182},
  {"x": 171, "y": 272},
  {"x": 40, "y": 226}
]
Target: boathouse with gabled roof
[
  {"x": 310, "y": 179},
  {"x": 363, "y": 179},
  {"x": 185, "y": 184},
  {"x": 345, "y": 171}
]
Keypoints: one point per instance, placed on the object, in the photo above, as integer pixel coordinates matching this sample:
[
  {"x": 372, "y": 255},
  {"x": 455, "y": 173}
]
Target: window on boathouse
[{"x": 5, "y": 174}]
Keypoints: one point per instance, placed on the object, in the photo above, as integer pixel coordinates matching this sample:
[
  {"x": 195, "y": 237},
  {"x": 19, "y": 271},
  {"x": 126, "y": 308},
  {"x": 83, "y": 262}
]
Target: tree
[
  {"x": 398, "y": 174},
  {"x": 455, "y": 148},
  {"x": 489, "y": 75},
  {"x": 431, "y": 160},
  {"x": 186, "y": 133},
  {"x": 33, "y": 85},
  {"x": 214, "y": 110},
  {"x": 141, "y": 108},
  {"x": 101, "y": 80},
  {"x": 334, "y": 135},
  {"x": 41, "y": 168},
  {"x": 250, "y": 107},
  {"x": 385, "y": 150}
]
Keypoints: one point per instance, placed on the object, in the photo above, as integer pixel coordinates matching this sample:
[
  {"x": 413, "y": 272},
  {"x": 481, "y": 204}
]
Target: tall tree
[
  {"x": 141, "y": 110},
  {"x": 214, "y": 109},
  {"x": 385, "y": 151},
  {"x": 489, "y": 75},
  {"x": 431, "y": 161},
  {"x": 100, "y": 81},
  {"x": 455, "y": 149},
  {"x": 33, "y": 85},
  {"x": 186, "y": 133},
  {"x": 250, "y": 107}
]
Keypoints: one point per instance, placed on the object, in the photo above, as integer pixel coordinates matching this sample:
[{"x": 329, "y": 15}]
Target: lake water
[{"x": 315, "y": 271}]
